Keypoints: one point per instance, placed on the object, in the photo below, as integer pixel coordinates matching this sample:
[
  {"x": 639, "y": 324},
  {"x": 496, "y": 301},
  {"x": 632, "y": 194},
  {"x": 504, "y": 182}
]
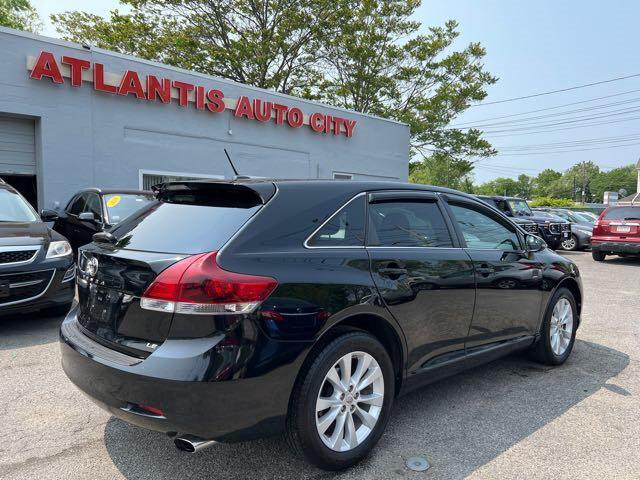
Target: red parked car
[{"x": 617, "y": 232}]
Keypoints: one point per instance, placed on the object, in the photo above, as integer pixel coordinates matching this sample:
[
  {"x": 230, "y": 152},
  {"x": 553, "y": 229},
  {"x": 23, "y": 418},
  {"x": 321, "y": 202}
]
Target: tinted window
[
  {"x": 407, "y": 224},
  {"x": 14, "y": 208},
  {"x": 76, "y": 206},
  {"x": 520, "y": 207},
  {"x": 344, "y": 229},
  {"x": 93, "y": 206},
  {"x": 181, "y": 227},
  {"x": 121, "y": 205},
  {"x": 480, "y": 230},
  {"x": 622, "y": 213}
]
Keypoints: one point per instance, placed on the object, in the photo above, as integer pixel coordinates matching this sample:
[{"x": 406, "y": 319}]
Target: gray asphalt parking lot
[{"x": 509, "y": 419}]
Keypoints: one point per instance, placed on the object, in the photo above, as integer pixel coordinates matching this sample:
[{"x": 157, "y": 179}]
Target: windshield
[
  {"x": 585, "y": 217},
  {"x": 520, "y": 207},
  {"x": 121, "y": 205},
  {"x": 550, "y": 216},
  {"x": 14, "y": 208}
]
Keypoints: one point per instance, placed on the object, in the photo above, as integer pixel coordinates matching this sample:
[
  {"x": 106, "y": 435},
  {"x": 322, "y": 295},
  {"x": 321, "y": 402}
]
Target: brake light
[{"x": 197, "y": 285}]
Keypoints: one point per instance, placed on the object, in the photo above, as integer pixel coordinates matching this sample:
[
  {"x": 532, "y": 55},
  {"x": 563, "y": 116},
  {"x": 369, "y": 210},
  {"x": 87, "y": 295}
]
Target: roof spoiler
[{"x": 221, "y": 193}]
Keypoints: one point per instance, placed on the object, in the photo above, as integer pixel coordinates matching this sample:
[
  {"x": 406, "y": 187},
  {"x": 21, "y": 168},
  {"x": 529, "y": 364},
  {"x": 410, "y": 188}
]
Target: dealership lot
[{"x": 509, "y": 419}]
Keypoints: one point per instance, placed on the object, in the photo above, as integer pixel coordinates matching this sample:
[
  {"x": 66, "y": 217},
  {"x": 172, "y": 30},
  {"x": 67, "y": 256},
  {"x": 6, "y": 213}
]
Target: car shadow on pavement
[
  {"x": 458, "y": 424},
  {"x": 28, "y": 330}
]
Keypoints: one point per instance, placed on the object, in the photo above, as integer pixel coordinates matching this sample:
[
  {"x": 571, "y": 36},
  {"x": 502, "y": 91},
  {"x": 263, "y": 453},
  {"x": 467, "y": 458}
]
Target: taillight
[{"x": 198, "y": 285}]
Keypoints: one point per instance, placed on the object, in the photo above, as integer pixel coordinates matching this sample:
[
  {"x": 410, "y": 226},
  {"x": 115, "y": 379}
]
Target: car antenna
[{"x": 236, "y": 176}]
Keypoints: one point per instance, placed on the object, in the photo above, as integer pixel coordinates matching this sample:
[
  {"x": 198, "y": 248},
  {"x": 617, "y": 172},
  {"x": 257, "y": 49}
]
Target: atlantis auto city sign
[{"x": 153, "y": 89}]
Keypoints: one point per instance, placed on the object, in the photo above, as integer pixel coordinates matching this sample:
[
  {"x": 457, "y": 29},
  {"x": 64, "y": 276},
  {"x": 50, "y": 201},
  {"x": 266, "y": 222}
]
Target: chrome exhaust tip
[{"x": 191, "y": 443}]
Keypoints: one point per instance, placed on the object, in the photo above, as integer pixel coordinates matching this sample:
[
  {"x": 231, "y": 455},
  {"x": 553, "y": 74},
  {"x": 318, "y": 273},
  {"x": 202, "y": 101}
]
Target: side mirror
[
  {"x": 87, "y": 217},
  {"x": 49, "y": 215},
  {"x": 534, "y": 243}
]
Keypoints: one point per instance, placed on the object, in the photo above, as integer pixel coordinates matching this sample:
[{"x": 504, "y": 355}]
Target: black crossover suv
[
  {"x": 230, "y": 311},
  {"x": 36, "y": 265}
]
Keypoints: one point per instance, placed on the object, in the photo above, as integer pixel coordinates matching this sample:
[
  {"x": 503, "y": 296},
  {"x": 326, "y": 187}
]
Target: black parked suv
[
  {"x": 95, "y": 210},
  {"x": 552, "y": 232},
  {"x": 36, "y": 265},
  {"x": 231, "y": 311}
]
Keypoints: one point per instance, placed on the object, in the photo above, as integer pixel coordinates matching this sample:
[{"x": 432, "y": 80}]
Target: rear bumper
[
  {"x": 632, "y": 248},
  {"x": 171, "y": 380}
]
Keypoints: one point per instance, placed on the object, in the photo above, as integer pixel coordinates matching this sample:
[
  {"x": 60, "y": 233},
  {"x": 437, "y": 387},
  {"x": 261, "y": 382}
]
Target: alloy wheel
[
  {"x": 350, "y": 401},
  {"x": 561, "y": 326},
  {"x": 569, "y": 244}
]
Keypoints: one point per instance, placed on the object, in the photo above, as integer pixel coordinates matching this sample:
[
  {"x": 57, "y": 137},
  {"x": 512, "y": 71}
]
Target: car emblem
[{"x": 92, "y": 266}]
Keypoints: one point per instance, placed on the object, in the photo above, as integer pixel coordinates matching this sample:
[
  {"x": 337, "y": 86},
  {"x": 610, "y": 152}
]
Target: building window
[
  {"x": 342, "y": 176},
  {"x": 149, "y": 178}
]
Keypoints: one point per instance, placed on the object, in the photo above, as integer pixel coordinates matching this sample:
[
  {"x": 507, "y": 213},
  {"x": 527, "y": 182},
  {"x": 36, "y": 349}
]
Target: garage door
[{"x": 17, "y": 146}]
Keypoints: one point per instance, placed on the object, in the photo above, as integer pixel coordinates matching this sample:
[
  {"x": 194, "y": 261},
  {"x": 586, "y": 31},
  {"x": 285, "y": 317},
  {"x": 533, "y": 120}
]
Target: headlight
[{"x": 57, "y": 249}]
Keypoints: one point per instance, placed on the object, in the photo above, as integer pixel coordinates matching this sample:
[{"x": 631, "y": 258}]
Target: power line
[
  {"x": 573, "y": 143},
  {"x": 553, "y": 130},
  {"x": 556, "y": 91},
  {"x": 457, "y": 125},
  {"x": 566, "y": 151},
  {"x": 548, "y": 115}
]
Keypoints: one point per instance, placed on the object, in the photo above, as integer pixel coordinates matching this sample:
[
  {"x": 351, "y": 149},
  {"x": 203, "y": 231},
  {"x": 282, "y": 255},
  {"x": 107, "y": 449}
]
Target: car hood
[
  {"x": 522, "y": 220},
  {"x": 24, "y": 233},
  {"x": 540, "y": 219}
]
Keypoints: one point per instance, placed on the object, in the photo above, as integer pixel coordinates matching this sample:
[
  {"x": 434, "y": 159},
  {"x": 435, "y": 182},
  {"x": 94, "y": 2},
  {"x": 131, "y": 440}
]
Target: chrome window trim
[
  {"x": 20, "y": 248},
  {"x": 53, "y": 273},
  {"x": 338, "y": 210}
]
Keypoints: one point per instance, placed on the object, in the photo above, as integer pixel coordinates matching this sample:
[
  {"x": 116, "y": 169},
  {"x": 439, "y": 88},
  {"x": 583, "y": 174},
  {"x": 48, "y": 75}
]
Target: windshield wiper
[{"x": 632, "y": 218}]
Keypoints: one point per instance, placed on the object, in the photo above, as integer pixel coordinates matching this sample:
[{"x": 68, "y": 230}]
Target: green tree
[
  {"x": 366, "y": 55},
  {"x": 500, "y": 186},
  {"x": 542, "y": 183},
  {"x": 613, "y": 181},
  {"x": 19, "y": 14}
]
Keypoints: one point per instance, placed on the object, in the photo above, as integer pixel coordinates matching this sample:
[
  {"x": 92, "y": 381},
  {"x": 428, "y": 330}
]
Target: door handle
[
  {"x": 485, "y": 269},
  {"x": 392, "y": 273}
]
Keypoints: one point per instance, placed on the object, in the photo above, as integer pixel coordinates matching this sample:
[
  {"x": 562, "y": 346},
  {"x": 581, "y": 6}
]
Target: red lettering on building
[
  {"x": 215, "y": 102},
  {"x": 130, "y": 83},
  {"x": 183, "y": 92},
  {"x": 157, "y": 89},
  {"x": 46, "y": 66},
  {"x": 243, "y": 108},
  {"x": 262, "y": 111},
  {"x": 98, "y": 80},
  {"x": 163, "y": 89},
  {"x": 76, "y": 66}
]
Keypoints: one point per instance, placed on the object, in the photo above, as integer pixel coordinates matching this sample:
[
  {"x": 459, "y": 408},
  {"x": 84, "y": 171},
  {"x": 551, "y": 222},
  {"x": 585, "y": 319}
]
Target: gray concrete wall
[{"x": 90, "y": 138}]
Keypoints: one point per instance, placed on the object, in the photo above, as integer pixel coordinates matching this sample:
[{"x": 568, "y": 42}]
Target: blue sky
[{"x": 533, "y": 46}]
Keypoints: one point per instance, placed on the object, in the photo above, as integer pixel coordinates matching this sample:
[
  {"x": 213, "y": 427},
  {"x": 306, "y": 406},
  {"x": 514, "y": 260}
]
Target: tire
[
  {"x": 553, "y": 348},
  {"x": 570, "y": 244},
  {"x": 597, "y": 255},
  {"x": 303, "y": 421}
]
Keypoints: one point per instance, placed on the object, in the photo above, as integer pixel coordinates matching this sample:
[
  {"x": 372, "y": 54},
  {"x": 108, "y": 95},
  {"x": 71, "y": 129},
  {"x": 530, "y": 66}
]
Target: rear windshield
[
  {"x": 121, "y": 205},
  {"x": 181, "y": 227},
  {"x": 622, "y": 213}
]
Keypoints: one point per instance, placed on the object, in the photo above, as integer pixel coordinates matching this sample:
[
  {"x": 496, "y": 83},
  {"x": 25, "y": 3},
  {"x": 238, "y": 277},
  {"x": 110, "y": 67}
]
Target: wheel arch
[
  {"x": 572, "y": 285},
  {"x": 375, "y": 325}
]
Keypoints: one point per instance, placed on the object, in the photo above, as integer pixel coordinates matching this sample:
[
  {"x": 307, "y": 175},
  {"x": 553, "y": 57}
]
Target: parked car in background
[
  {"x": 227, "y": 311},
  {"x": 36, "y": 264},
  {"x": 581, "y": 228},
  {"x": 552, "y": 232},
  {"x": 617, "y": 232},
  {"x": 96, "y": 210}
]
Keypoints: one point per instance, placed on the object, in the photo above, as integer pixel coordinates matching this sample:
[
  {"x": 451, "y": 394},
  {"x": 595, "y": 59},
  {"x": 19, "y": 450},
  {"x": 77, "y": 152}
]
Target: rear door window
[
  {"x": 407, "y": 224},
  {"x": 344, "y": 229}
]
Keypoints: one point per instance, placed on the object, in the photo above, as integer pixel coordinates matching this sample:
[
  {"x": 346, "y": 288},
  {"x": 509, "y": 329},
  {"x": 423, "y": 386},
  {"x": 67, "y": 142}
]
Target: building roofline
[{"x": 89, "y": 48}]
